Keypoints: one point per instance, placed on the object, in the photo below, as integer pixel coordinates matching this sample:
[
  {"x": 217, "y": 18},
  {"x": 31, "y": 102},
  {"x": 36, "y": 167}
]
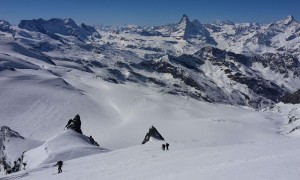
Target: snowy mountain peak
[
  {"x": 184, "y": 21},
  {"x": 59, "y": 28},
  {"x": 5, "y": 26},
  {"x": 4, "y": 23},
  {"x": 70, "y": 22},
  {"x": 192, "y": 30},
  {"x": 225, "y": 22},
  {"x": 286, "y": 21}
]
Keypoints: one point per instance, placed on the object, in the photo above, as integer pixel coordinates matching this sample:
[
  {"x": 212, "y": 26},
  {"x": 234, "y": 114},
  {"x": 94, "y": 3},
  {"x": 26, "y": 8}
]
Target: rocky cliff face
[{"x": 291, "y": 98}]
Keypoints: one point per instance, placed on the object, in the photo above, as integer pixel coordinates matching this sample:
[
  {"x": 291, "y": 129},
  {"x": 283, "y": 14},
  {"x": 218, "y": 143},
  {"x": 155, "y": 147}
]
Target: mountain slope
[
  {"x": 64, "y": 146},
  {"x": 12, "y": 148},
  {"x": 267, "y": 160}
]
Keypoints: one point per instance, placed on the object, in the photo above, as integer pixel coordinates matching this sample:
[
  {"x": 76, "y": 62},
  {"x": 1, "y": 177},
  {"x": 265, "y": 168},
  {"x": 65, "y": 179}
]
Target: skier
[
  {"x": 167, "y": 146},
  {"x": 163, "y": 146},
  {"x": 59, "y": 164}
]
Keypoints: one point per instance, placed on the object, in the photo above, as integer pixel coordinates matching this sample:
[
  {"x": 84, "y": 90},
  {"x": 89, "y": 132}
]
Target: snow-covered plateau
[{"x": 87, "y": 96}]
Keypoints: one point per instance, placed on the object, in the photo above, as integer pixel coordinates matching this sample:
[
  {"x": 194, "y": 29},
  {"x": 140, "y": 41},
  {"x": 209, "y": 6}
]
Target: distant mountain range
[{"x": 237, "y": 63}]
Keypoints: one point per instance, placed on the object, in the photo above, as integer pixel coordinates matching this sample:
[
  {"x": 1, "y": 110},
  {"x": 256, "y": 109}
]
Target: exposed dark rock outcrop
[
  {"x": 291, "y": 98},
  {"x": 75, "y": 124},
  {"x": 279, "y": 63},
  {"x": 92, "y": 141},
  {"x": 154, "y": 134}
]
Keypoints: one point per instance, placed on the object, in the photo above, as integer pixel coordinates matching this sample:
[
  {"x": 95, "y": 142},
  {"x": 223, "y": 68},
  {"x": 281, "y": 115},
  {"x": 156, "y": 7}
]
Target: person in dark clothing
[
  {"x": 24, "y": 165},
  {"x": 167, "y": 146},
  {"x": 59, "y": 164},
  {"x": 163, "y": 146}
]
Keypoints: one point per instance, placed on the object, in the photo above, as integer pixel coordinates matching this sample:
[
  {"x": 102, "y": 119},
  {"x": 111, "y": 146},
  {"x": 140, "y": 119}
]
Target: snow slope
[
  {"x": 119, "y": 115},
  {"x": 13, "y": 145},
  {"x": 273, "y": 159},
  {"x": 64, "y": 146}
]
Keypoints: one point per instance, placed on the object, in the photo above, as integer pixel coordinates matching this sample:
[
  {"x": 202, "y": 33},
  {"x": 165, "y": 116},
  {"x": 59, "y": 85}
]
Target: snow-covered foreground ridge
[{"x": 275, "y": 159}]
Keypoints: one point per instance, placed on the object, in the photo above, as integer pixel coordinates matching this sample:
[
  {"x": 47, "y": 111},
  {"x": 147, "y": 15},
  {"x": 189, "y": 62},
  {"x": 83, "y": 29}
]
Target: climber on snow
[{"x": 59, "y": 164}]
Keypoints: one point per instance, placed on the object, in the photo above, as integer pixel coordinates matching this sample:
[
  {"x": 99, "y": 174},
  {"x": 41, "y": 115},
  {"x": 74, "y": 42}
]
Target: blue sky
[{"x": 149, "y": 12}]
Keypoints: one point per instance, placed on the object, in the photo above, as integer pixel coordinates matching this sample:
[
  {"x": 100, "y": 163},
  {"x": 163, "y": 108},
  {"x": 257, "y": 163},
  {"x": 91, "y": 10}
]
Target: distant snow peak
[
  {"x": 5, "y": 26},
  {"x": 70, "y": 22},
  {"x": 286, "y": 21},
  {"x": 4, "y": 23},
  {"x": 59, "y": 28},
  {"x": 184, "y": 20},
  {"x": 224, "y": 22},
  {"x": 192, "y": 30}
]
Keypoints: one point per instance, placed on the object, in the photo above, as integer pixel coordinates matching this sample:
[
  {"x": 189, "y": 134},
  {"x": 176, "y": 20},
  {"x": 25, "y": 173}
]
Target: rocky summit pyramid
[{"x": 154, "y": 134}]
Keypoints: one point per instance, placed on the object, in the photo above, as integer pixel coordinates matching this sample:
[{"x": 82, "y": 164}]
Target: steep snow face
[{"x": 64, "y": 146}]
